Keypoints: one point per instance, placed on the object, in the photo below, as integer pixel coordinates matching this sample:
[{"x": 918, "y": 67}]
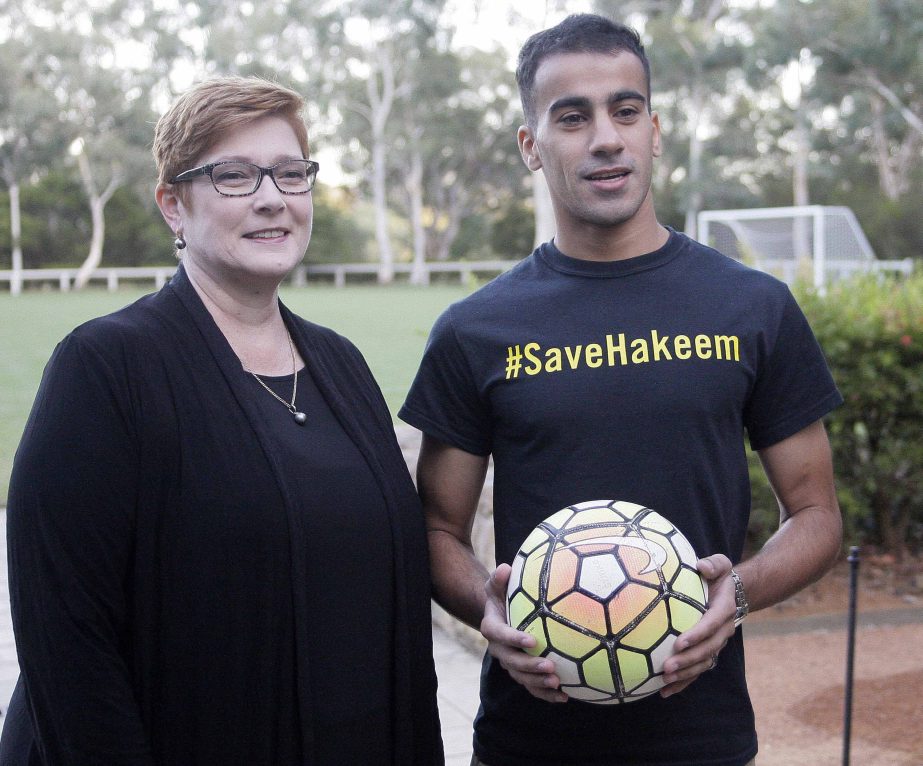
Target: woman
[{"x": 216, "y": 553}]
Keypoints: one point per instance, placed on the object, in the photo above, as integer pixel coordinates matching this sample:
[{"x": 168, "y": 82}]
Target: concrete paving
[
  {"x": 9, "y": 665},
  {"x": 459, "y": 673}
]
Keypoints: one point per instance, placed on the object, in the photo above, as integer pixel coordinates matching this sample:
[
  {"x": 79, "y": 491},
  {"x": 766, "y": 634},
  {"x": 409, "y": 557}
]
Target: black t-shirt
[
  {"x": 632, "y": 380},
  {"x": 350, "y": 578}
]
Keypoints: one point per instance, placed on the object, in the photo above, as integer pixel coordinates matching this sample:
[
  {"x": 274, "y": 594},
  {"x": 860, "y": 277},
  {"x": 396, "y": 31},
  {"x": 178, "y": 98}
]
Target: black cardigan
[{"x": 131, "y": 607}]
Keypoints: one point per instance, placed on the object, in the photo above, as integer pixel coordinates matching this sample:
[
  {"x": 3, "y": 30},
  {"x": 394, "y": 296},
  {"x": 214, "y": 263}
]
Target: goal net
[{"x": 816, "y": 243}]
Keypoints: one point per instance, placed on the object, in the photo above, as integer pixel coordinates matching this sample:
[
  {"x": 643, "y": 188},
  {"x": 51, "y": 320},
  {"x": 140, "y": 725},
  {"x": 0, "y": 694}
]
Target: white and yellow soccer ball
[{"x": 605, "y": 587}]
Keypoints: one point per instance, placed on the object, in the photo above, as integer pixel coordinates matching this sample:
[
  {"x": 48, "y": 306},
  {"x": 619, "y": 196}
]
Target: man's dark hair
[{"x": 579, "y": 33}]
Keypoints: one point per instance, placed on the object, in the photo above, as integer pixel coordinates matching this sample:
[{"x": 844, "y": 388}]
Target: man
[{"x": 620, "y": 361}]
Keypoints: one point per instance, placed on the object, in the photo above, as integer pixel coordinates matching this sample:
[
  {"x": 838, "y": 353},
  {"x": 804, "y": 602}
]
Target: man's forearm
[
  {"x": 811, "y": 531},
  {"x": 458, "y": 577},
  {"x": 805, "y": 546}
]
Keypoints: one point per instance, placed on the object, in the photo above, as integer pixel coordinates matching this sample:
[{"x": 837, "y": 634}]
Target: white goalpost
[{"x": 817, "y": 243}]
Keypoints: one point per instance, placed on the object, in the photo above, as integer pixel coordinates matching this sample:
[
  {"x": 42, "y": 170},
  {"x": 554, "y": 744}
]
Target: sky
[{"x": 487, "y": 23}]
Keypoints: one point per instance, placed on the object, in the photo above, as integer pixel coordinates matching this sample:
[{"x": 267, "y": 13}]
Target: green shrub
[{"x": 871, "y": 330}]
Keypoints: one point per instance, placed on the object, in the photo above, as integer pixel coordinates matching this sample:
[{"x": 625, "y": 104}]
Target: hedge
[{"x": 871, "y": 331}]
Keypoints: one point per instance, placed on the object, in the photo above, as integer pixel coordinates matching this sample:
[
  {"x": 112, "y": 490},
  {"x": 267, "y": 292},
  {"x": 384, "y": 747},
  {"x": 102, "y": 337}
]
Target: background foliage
[
  {"x": 871, "y": 331},
  {"x": 763, "y": 103}
]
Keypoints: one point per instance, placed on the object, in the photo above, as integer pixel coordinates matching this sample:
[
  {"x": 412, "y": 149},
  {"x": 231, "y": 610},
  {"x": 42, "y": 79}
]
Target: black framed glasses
[{"x": 241, "y": 179}]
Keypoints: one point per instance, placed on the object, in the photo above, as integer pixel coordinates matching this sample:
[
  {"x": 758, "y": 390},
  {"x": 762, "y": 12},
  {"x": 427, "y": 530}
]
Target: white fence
[
  {"x": 338, "y": 273},
  {"x": 64, "y": 278},
  {"x": 341, "y": 271}
]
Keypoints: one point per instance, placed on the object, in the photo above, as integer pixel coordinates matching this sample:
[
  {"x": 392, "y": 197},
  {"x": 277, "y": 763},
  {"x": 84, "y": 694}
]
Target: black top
[
  {"x": 633, "y": 380},
  {"x": 349, "y": 579},
  {"x": 161, "y": 554}
]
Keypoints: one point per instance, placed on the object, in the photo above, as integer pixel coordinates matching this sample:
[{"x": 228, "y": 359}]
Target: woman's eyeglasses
[{"x": 241, "y": 179}]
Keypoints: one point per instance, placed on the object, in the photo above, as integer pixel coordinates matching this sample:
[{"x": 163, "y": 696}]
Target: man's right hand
[
  {"x": 450, "y": 481},
  {"x": 506, "y": 644}
]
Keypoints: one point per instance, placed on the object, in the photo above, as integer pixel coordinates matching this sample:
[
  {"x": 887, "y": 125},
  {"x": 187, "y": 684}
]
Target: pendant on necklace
[{"x": 300, "y": 418}]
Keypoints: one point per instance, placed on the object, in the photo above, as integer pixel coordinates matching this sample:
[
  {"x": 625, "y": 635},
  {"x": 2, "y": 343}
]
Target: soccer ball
[{"x": 605, "y": 587}]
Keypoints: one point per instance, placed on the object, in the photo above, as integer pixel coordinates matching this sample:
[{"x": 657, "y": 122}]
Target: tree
[
  {"x": 107, "y": 106},
  {"x": 876, "y": 47},
  {"x": 460, "y": 143},
  {"x": 784, "y": 76},
  {"x": 257, "y": 39},
  {"x": 853, "y": 116},
  {"x": 364, "y": 48},
  {"x": 112, "y": 122},
  {"x": 100, "y": 109},
  {"x": 30, "y": 135},
  {"x": 868, "y": 63}
]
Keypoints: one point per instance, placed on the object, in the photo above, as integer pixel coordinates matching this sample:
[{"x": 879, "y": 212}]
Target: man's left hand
[{"x": 696, "y": 651}]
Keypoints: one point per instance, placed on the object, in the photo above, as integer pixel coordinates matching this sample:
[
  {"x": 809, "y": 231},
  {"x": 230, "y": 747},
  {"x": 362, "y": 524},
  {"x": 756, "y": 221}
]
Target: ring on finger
[{"x": 714, "y": 662}]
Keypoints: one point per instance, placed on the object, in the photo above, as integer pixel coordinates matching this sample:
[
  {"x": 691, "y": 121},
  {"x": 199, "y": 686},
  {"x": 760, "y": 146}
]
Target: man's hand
[
  {"x": 505, "y": 644},
  {"x": 696, "y": 651},
  {"x": 801, "y": 550}
]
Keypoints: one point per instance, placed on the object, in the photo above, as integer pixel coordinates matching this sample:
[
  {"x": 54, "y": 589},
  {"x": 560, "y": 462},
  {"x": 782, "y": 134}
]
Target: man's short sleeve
[
  {"x": 795, "y": 387},
  {"x": 445, "y": 401}
]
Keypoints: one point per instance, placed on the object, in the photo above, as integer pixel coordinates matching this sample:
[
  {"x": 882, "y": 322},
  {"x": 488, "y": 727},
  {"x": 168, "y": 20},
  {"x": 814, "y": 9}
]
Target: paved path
[
  {"x": 459, "y": 675},
  {"x": 9, "y": 666}
]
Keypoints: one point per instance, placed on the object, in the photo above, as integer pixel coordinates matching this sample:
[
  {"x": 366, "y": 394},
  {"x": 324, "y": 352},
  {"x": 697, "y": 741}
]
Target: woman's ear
[{"x": 170, "y": 206}]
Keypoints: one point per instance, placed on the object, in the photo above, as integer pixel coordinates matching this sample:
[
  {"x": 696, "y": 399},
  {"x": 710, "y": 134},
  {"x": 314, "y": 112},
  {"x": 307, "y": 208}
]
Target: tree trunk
[
  {"x": 418, "y": 273},
  {"x": 694, "y": 205},
  {"x": 97, "y": 218},
  {"x": 893, "y": 531},
  {"x": 912, "y": 120},
  {"x": 380, "y": 102},
  {"x": 16, "y": 237},
  {"x": 449, "y": 234},
  {"x": 887, "y": 180},
  {"x": 380, "y": 201},
  {"x": 95, "y": 255},
  {"x": 451, "y": 205},
  {"x": 802, "y": 225}
]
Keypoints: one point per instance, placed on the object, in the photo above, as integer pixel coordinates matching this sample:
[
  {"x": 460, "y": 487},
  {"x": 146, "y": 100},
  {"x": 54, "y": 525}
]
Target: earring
[{"x": 179, "y": 243}]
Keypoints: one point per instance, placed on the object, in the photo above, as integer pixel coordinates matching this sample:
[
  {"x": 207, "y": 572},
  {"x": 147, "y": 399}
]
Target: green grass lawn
[{"x": 389, "y": 325}]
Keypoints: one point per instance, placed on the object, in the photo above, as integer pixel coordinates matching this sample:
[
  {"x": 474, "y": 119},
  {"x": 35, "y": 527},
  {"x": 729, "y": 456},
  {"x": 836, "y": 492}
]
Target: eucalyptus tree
[
  {"x": 362, "y": 66},
  {"x": 551, "y": 10},
  {"x": 870, "y": 55},
  {"x": 473, "y": 162},
  {"x": 79, "y": 88},
  {"x": 27, "y": 140},
  {"x": 260, "y": 39},
  {"x": 106, "y": 104},
  {"x": 32, "y": 59},
  {"x": 867, "y": 61},
  {"x": 455, "y": 150},
  {"x": 855, "y": 113},
  {"x": 112, "y": 121}
]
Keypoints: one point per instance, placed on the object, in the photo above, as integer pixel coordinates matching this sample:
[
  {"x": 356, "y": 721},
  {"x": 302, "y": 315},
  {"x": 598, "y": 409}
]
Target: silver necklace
[{"x": 300, "y": 417}]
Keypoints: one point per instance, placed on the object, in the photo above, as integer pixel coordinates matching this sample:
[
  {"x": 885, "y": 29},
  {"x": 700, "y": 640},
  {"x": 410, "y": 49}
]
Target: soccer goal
[{"x": 816, "y": 243}]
